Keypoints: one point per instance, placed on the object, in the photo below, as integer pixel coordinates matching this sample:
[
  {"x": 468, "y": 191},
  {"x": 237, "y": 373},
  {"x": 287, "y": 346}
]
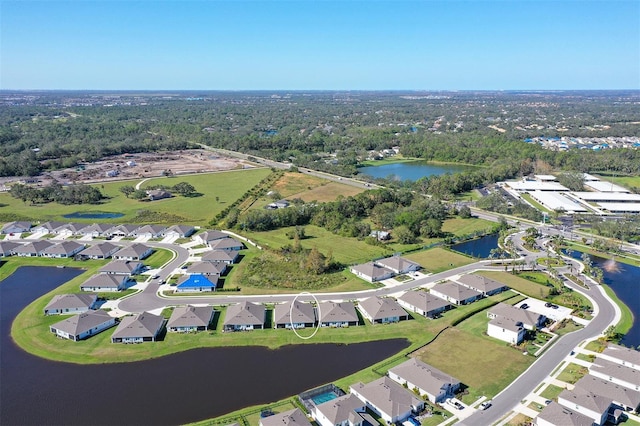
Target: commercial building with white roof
[
  {"x": 535, "y": 185},
  {"x": 557, "y": 201},
  {"x": 602, "y": 186}
]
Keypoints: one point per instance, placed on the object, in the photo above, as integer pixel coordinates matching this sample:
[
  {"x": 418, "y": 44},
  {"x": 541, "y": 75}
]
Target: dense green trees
[{"x": 71, "y": 194}]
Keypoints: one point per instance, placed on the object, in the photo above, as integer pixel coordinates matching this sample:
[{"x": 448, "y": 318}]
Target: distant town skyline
[{"x": 319, "y": 45}]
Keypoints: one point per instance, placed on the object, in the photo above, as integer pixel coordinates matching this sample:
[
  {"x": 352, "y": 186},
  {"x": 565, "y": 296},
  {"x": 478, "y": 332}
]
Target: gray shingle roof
[
  {"x": 302, "y": 312},
  {"x": 480, "y": 283},
  {"x": 423, "y": 300},
  {"x": 121, "y": 267},
  {"x": 617, "y": 371},
  {"x": 220, "y": 256},
  {"x": 456, "y": 291},
  {"x": 226, "y": 244},
  {"x": 141, "y": 325},
  {"x": 212, "y": 235},
  {"x": 245, "y": 313},
  {"x": 191, "y": 316},
  {"x": 135, "y": 251},
  {"x": 398, "y": 263},
  {"x": 388, "y": 396},
  {"x": 101, "y": 249},
  {"x": 628, "y": 355},
  {"x": 618, "y": 393},
  {"x": 51, "y": 225},
  {"x": 103, "y": 280},
  {"x": 151, "y": 229},
  {"x": 341, "y": 409},
  {"x": 99, "y": 228},
  {"x": 34, "y": 247},
  {"x": 182, "y": 230},
  {"x": 8, "y": 246},
  {"x": 82, "y": 323},
  {"x": 6, "y": 228},
  {"x": 556, "y": 414},
  {"x": 71, "y": 301},
  {"x": 506, "y": 311},
  {"x": 586, "y": 399},
  {"x": 207, "y": 268},
  {"x": 337, "y": 312},
  {"x": 372, "y": 270},
  {"x": 293, "y": 417},
  {"x": 507, "y": 324},
  {"x": 64, "y": 247},
  {"x": 379, "y": 308},
  {"x": 424, "y": 376}
]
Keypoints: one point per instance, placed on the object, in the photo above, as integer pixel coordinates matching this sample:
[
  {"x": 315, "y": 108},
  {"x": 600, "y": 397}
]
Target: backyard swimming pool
[{"x": 324, "y": 397}]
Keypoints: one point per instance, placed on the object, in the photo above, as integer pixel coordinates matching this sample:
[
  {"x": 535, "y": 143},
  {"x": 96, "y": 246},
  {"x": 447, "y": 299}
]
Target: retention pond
[{"x": 176, "y": 389}]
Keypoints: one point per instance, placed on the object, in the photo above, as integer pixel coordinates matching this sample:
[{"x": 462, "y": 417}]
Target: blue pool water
[{"x": 324, "y": 397}]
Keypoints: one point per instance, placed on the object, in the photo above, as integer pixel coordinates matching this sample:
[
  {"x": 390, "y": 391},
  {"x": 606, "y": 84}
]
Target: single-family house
[
  {"x": 228, "y": 244},
  {"x": 221, "y": 256},
  {"x": 71, "y": 229},
  {"x": 371, "y": 272},
  {"x": 101, "y": 251},
  {"x": 388, "y": 399},
  {"x": 16, "y": 227},
  {"x": 628, "y": 399},
  {"x": 380, "y": 235},
  {"x": 179, "y": 231},
  {"x": 33, "y": 249},
  {"x": 106, "y": 282},
  {"x": 507, "y": 330},
  {"x": 423, "y": 303},
  {"x": 245, "y": 316},
  {"x": 483, "y": 284},
  {"x": 83, "y": 326},
  {"x": 122, "y": 267},
  {"x": 7, "y": 248},
  {"x": 207, "y": 237},
  {"x": 584, "y": 402},
  {"x": 196, "y": 283},
  {"x": 555, "y": 414},
  {"x": 280, "y": 204},
  {"x": 144, "y": 327},
  {"x": 455, "y": 293},
  {"x": 206, "y": 268},
  {"x": 149, "y": 231},
  {"x": 529, "y": 319},
  {"x": 71, "y": 303},
  {"x": 619, "y": 354},
  {"x": 346, "y": 410},
  {"x": 426, "y": 380},
  {"x": 190, "y": 318},
  {"x": 96, "y": 230},
  {"x": 334, "y": 314},
  {"x": 158, "y": 194},
  {"x": 293, "y": 417},
  {"x": 398, "y": 265},
  {"x": 616, "y": 373},
  {"x": 294, "y": 315},
  {"x": 382, "y": 310},
  {"x": 135, "y": 251},
  {"x": 63, "y": 249},
  {"x": 48, "y": 227},
  {"x": 126, "y": 230}
]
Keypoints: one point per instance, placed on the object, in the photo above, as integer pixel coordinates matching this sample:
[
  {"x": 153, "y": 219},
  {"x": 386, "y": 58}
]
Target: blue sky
[{"x": 305, "y": 45}]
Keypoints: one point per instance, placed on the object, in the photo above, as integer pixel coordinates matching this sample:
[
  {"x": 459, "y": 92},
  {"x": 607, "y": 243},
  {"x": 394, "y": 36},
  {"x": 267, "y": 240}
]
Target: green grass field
[
  {"x": 228, "y": 186},
  {"x": 572, "y": 373},
  {"x": 551, "y": 392},
  {"x": 344, "y": 250},
  {"x": 438, "y": 259},
  {"x": 517, "y": 283},
  {"x": 459, "y": 227}
]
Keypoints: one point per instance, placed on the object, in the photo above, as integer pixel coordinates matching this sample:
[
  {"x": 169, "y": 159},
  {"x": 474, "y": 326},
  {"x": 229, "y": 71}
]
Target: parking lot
[{"x": 538, "y": 306}]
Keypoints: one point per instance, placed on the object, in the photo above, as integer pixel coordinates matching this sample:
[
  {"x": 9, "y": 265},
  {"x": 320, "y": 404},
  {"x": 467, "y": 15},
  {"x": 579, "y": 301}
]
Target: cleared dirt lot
[{"x": 147, "y": 164}]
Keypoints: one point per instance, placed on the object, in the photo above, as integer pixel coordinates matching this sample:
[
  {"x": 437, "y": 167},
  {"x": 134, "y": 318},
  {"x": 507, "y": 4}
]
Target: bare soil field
[{"x": 140, "y": 165}]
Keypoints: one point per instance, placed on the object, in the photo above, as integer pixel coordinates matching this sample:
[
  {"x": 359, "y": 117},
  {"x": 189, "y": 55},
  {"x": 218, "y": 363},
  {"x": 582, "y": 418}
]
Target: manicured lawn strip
[
  {"x": 517, "y": 283},
  {"x": 158, "y": 258},
  {"x": 626, "y": 319},
  {"x": 469, "y": 357},
  {"x": 328, "y": 192},
  {"x": 629, "y": 259},
  {"x": 458, "y": 226},
  {"x": 439, "y": 259},
  {"x": 569, "y": 326},
  {"x": 585, "y": 357},
  {"x": 572, "y": 373},
  {"x": 344, "y": 250},
  {"x": 551, "y": 392},
  {"x": 228, "y": 186},
  {"x": 596, "y": 346}
]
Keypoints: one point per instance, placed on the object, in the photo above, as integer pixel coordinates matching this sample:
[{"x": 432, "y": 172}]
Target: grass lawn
[
  {"x": 626, "y": 181},
  {"x": 344, "y": 250},
  {"x": 626, "y": 319},
  {"x": 328, "y": 191},
  {"x": 469, "y": 357},
  {"x": 567, "y": 327},
  {"x": 596, "y": 346},
  {"x": 458, "y": 226},
  {"x": 438, "y": 259},
  {"x": 517, "y": 283},
  {"x": 551, "y": 392},
  {"x": 519, "y": 420},
  {"x": 228, "y": 186},
  {"x": 572, "y": 373},
  {"x": 585, "y": 357},
  {"x": 158, "y": 258}
]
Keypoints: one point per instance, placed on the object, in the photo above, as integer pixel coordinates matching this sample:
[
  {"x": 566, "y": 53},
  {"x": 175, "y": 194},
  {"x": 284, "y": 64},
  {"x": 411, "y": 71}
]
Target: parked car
[
  {"x": 548, "y": 305},
  {"x": 524, "y": 306},
  {"x": 486, "y": 404}
]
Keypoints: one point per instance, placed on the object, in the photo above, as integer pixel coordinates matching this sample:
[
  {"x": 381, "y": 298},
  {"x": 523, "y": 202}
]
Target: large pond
[
  {"x": 480, "y": 247},
  {"x": 412, "y": 170},
  {"x": 93, "y": 215},
  {"x": 175, "y": 389},
  {"x": 624, "y": 280}
]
